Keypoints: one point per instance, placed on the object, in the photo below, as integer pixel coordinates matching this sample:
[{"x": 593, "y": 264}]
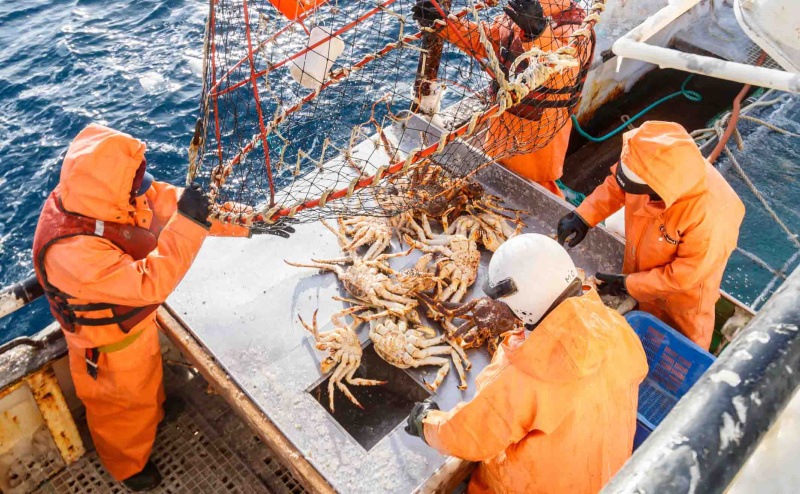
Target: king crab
[
  {"x": 458, "y": 266},
  {"x": 373, "y": 282},
  {"x": 344, "y": 354},
  {"x": 403, "y": 345},
  {"x": 485, "y": 319}
]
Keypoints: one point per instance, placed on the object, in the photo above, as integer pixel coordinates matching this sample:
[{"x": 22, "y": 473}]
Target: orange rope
[{"x": 737, "y": 106}]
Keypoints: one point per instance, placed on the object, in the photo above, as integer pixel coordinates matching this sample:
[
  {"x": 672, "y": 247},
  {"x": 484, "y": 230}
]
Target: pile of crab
[{"x": 458, "y": 219}]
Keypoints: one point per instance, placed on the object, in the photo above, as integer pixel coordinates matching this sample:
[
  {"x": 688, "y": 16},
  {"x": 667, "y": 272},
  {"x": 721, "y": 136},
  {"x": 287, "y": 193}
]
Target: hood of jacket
[
  {"x": 571, "y": 342},
  {"x": 98, "y": 172},
  {"x": 666, "y": 157}
]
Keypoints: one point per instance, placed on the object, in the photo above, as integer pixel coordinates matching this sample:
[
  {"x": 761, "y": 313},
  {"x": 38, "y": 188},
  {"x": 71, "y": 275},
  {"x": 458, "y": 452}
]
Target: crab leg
[
  {"x": 384, "y": 257},
  {"x": 465, "y": 328},
  {"x": 461, "y": 353},
  {"x": 460, "y": 368},
  {"x": 444, "y": 368},
  {"x": 362, "y": 236},
  {"x": 426, "y": 226},
  {"x": 426, "y": 331},
  {"x": 357, "y": 381},
  {"x": 491, "y": 240},
  {"x": 452, "y": 288},
  {"x": 340, "y": 234},
  {"x": 386, "y": 294},
  {"x": 462, "y": 290},
  {"x": 336, "y": 378},
  {"x": 377, "y": 248},
  {"x": 423, "y": 343},
  {"x": 316, "y": 264}
]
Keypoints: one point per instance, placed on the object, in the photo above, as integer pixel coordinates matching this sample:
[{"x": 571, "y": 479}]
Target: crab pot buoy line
[{"x": 309, "y": 69}]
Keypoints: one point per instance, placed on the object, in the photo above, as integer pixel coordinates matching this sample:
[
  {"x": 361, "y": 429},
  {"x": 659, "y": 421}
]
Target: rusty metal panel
[
  {"x": 28, "y": 454},
  {"x": 56, "y": 414}
]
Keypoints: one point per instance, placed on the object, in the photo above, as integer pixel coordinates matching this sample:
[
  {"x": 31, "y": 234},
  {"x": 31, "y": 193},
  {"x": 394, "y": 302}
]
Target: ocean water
[
  {"x": 770, "y": 160},
  {"x": 136, "y": 65},
  {"x": 133, "y": 64}
]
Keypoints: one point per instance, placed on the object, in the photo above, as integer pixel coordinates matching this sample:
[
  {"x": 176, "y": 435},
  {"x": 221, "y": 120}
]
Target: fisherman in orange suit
[
  {"x": 543, "y": 114},
  {"x": 682, "y": 222},
  {"x": 110, "y": 246},
  {"x": 555, "y": 411}
]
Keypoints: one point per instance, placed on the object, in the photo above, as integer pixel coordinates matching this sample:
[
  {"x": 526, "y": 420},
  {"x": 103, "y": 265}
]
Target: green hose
[{"x": 688, "y": 94}]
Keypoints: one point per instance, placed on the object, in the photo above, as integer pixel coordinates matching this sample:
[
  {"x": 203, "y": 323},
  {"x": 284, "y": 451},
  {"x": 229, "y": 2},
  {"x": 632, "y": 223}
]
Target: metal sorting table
[{"x": 241, "y": 301}]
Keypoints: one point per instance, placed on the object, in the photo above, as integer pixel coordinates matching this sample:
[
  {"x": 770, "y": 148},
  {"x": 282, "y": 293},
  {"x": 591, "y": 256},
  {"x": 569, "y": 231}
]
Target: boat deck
[{"x": 204, "y": 448}]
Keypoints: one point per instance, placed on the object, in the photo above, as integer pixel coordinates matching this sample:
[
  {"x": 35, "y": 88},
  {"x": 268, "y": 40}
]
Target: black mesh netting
[{"x": 313, "y": 117}]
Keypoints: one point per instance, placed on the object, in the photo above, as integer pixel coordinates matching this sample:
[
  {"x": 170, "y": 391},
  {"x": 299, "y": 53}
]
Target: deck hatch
[{"x": 385, "y": 406}]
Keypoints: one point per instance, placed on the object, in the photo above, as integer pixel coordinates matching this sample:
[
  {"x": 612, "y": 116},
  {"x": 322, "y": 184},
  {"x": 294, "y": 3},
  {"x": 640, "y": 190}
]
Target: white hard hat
[
  {"x": 529, "y": 273},
  {"x": 630, "y": 175}
]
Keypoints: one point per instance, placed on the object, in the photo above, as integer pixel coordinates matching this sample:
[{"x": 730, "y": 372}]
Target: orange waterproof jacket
[
  {"x": 676, "y": 249},
  {"x": 96, "y": 179},
  {"x": 555, "y": 411}
]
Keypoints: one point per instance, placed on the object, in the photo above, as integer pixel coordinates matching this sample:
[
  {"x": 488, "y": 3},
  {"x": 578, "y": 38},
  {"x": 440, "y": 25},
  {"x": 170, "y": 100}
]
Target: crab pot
[{"x": 242, "y": 302}]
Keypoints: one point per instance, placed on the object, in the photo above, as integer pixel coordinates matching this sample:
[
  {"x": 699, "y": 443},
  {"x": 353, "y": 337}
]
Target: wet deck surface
[{"x": 205, "y": 448}]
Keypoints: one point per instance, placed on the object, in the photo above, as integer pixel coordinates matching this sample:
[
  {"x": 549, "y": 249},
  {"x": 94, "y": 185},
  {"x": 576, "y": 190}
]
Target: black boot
[
  {"x": 173, "y": 407},
  {"x": 146, "y": 480}
]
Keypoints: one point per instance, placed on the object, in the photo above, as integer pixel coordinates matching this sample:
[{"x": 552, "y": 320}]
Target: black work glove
[
  {"x": 425, "y": 13},
  {"x": 414, "y": 425},
  {"x": 528, "y": 15},
  {"x": 572, "y": 225},
  {"x": 281, "y": 228},
  {"x": 195, "y": 205},
  {"x": 613, "y": 284}
]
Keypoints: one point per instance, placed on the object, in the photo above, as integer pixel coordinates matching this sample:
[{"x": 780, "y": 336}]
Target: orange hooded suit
[
  {"x": 676, "y": 249},
  {"x": 510, "y": 135},
  {"x": 123, "y": 403},
  {"x": 555, "y": 411}
]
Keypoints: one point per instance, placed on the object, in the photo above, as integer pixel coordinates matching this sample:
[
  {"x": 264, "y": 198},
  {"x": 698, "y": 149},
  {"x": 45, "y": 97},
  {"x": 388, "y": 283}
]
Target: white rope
[
  {"x": 717, "y": 130},
  {"x": 762, "y": 297}
]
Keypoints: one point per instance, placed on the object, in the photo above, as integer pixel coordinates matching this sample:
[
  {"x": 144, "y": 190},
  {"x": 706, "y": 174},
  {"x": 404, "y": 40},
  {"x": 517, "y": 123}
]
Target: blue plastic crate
[{"x": 675, "y": 362}]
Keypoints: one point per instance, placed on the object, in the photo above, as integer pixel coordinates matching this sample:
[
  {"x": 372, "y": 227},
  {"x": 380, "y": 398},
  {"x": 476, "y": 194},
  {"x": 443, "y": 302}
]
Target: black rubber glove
[
  {"x": 425, "y": 13},
  {"x": 195, "y": 204},
  {"x": 414, "y": 425},
  {"x": 613, "y": 284},
  {"x": 572, "y": 225},
  {"x": 281, "y": 228},
  {"x": 528, "y": 15}
]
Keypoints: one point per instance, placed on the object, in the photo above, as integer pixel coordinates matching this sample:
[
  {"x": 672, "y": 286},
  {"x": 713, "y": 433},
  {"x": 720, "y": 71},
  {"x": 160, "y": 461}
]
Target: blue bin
[{"x": 675, "y": 362}]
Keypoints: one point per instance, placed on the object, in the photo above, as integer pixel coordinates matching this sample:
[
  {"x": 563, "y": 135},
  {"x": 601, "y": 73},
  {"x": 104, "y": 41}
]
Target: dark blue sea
[{"x": 135, "y": 65}]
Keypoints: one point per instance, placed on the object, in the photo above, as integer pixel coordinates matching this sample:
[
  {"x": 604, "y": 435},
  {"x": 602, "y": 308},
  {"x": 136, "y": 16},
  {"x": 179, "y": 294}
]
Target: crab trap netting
[{"x": 306, "y": 103}]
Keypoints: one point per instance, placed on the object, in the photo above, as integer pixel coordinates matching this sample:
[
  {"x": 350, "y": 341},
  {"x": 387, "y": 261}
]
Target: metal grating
[
  {"x": 205, "y": 448},
  {"x": 27, "y": 472},
  {"x": 188, "y": 460},
  {"x": 754, "y": 51}
]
